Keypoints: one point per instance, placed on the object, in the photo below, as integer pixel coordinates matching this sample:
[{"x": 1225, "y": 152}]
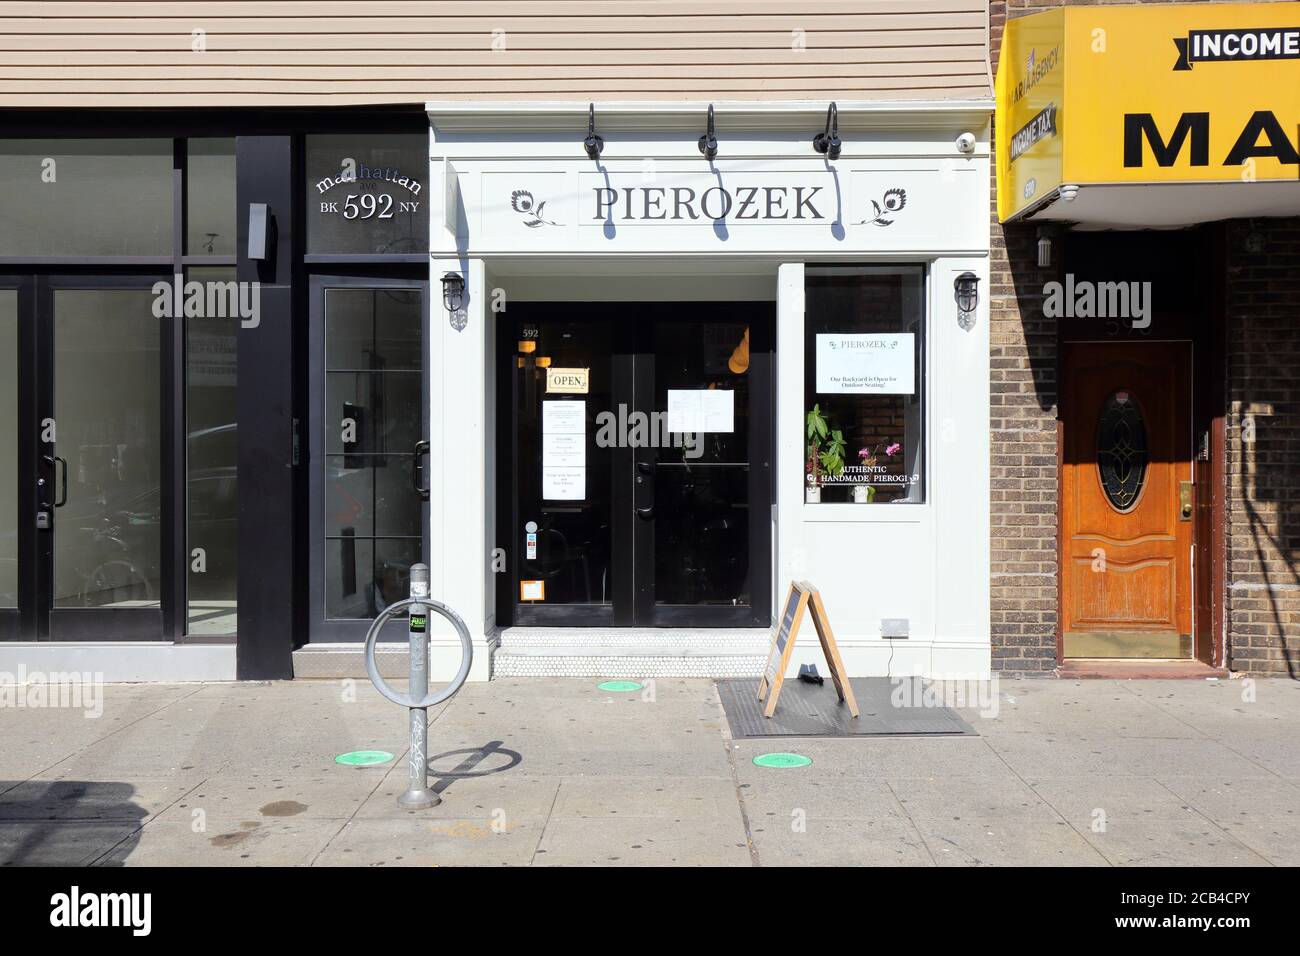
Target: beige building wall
[{"x": 371, "y": 51}]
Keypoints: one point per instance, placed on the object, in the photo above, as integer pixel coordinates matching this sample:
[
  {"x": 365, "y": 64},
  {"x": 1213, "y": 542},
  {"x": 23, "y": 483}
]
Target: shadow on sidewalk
[
  {"x": 67, "y": 822},
  {"x": 471, "y": 758}
]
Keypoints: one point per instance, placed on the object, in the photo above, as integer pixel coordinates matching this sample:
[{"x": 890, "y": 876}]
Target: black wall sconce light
[
  {"x": 966, "y": 291},
  {"x": 594, "y": 144},
  {"x": 453, "y": 291},
  {"x": 828, "y": 142},
  {"x": 709, "y": 142}
]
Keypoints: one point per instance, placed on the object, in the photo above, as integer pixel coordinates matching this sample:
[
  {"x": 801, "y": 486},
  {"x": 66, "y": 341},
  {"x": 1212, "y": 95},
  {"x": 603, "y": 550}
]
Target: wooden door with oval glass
[{"x": 1126, "y": 500}]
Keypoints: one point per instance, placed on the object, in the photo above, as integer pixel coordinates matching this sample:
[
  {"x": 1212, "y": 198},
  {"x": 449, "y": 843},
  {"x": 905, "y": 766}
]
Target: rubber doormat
[{"x": 807, "y": 710}]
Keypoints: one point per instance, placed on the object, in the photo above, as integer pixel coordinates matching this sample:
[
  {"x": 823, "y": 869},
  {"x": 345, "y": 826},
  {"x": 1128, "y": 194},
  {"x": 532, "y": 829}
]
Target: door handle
[
  {"x": 421, "y": 449},
  {"x": 646, "y": 513},
  {"x": 63, "y": 483},
  {"x": 1185, "y": 501},
  {"x": 54, "y": 461}
]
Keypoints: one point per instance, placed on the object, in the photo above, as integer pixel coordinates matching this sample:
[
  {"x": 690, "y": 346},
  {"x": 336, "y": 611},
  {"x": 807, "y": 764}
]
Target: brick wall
[
  {"x": 1262, "y": 292},
  {"x": 1263, "y": 315},
  {"x": 1023, "y": 435}
]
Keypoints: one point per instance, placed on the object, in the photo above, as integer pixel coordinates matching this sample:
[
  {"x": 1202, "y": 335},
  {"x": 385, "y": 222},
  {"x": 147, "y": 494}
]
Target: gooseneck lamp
[
  {"x": 709, "y": 141},
  {"x": 828, "y": 142}
]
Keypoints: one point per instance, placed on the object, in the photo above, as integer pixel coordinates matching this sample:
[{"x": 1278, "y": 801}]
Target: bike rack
[{"x": 418, "y": 699}]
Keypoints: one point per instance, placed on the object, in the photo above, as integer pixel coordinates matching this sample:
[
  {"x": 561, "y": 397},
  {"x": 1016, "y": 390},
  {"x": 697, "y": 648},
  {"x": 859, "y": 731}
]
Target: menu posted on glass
[{"x": 564, "y": 450}]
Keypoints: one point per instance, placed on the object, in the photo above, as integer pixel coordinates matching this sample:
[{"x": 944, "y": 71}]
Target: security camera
[{"x": 966, "y": 143}]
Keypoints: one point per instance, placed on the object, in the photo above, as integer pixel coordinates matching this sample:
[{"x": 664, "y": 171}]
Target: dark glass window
[
  {"x": 1122, "y": 451},
  {"x": 211, "y": 460},
  {"x": 86, "y": 197},
  {"x": 864, "y": 385},
  {"x": 367, "y": 194},
  {"x": 108, "y": 405},
  {"x": 210, "y": 197},
  {"x": 9, "y": 443},
  {"x": 372, "y": 401}
]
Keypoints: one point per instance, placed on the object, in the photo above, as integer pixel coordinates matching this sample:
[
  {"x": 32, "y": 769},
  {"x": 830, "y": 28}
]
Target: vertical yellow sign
[{"x": 1030, "y": 111}]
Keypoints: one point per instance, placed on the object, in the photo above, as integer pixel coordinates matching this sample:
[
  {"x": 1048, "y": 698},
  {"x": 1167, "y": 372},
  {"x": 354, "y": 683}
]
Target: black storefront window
[{"x": 864, "y": 385}]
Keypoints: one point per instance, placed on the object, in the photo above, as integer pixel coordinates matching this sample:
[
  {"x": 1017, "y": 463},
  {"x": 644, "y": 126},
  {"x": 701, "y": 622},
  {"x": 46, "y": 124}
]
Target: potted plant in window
[
  {"x": 866, "y": 493},
  {"x": 825, "y": 453}
]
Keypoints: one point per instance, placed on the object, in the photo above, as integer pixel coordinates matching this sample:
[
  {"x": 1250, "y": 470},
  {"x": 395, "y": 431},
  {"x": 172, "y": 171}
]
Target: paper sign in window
[
  {"x": 564, "y": 450},
  {"x": 697, "y": 411},
  {"x": 866, "y": 364}
]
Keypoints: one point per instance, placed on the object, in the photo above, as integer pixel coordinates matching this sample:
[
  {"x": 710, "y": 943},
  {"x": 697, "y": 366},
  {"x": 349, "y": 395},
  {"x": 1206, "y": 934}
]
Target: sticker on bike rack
[
  {"x": 620, "y": 686},
  {"x": 364, "y": 758},
  {"x": 781, "y": 760}
]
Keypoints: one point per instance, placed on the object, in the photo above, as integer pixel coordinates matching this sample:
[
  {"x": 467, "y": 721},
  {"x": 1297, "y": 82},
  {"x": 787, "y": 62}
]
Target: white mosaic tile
[
  {"x": 630, "y": 652},
  {"x": 505, "y": 664}
]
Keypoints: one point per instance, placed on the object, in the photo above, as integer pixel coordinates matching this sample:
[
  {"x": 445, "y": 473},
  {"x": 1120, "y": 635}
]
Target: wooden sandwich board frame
[{"x": 802, "y": 597}]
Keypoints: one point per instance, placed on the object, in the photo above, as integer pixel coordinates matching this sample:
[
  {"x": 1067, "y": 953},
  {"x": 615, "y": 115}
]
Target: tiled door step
[{"x": 630, "y": 652}]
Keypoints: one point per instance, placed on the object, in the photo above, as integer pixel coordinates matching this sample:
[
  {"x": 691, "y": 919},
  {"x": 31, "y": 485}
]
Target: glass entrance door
[
  {"x": 637, "y": 463},
  {"x": 369, "y": 449},
  {"x": 84, "y": 511}
]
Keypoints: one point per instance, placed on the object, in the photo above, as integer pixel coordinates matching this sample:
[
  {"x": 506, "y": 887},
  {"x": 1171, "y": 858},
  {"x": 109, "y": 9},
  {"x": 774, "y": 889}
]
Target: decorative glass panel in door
[{"x": 1121, "y": 450}]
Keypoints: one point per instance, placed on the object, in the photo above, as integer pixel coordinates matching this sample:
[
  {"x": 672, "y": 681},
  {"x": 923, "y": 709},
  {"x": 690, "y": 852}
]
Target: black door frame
[
  {"x": 19, "y": 622},
  {"x": 632, "y": 377},
  {"x": 320, "y": 628},
  {"x": 40, "y": 479}
]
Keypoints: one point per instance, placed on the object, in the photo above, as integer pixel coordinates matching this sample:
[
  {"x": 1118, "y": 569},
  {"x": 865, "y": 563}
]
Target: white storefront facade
[{"x": 826, "y": 289}]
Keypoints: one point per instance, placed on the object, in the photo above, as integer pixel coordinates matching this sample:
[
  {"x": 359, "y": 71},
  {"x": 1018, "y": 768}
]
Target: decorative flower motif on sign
[
  {"x": 893, "y": 201},
  {"x": 522, "y": 201}
]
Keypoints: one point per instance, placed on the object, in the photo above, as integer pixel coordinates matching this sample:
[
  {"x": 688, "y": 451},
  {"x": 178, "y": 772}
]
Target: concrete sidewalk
[{"x": 541, "y": 771}]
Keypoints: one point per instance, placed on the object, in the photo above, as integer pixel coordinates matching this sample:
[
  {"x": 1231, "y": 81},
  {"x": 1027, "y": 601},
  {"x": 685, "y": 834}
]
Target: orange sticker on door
[{"x": 532, "y": 590}]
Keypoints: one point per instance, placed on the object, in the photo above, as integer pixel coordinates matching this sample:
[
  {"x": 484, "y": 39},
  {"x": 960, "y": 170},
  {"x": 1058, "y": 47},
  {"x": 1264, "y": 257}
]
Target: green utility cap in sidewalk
[
  {"x": 364, "y": 758},
  {"x": 780, "y": 761},
  {"x": 619, "y": 686}
]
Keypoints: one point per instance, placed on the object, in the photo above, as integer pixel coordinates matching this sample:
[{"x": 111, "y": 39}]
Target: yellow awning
[{"x": 1153, "y": 116}]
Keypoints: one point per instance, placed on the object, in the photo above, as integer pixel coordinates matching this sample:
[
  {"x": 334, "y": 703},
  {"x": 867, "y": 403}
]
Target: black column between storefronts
[{"x": 264, "y": 170}]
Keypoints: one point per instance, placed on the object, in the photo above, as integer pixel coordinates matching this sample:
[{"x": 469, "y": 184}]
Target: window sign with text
[
  {"x": 367, "y": 194},
  {"x": 866, "y": 364}
]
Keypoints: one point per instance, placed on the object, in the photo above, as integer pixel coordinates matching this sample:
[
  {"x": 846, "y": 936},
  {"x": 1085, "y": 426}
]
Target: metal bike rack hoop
[{"x": 466, "y": 645}]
